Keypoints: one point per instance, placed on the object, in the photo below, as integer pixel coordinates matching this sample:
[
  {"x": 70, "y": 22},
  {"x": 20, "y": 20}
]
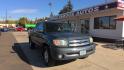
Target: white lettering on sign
[
  {"x": 85, "y": 11},
  {"x": 80, "y": 12},
  {"x": 89, "y": 10}
]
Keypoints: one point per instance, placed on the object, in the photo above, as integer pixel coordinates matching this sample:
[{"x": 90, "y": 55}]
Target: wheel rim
[{"x": 46, "y": 56}]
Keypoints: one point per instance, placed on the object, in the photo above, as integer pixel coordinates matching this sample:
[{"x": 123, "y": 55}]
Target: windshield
[{"x": 58, "y": 27}]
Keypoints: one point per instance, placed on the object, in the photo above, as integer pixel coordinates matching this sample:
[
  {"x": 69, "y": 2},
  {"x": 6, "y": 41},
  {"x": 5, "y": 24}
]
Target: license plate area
[{"x": 83, "y": 52}]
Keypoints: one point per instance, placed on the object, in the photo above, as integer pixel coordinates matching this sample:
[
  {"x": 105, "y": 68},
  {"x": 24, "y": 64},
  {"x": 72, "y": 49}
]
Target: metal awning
[{"x": 120, "y": 18}]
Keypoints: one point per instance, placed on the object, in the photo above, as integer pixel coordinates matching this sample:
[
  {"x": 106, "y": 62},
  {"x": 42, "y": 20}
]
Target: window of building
[
  {"x": 106, "y": 22},
  {"x": 73, "y": 25},
  {"x": 112, "y": 22},
  {"x": 84, "y": 25}
]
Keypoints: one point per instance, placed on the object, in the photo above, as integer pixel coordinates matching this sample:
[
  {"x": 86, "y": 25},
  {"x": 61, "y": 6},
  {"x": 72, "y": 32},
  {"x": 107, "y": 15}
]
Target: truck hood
[{"x": 68, "y": 35}]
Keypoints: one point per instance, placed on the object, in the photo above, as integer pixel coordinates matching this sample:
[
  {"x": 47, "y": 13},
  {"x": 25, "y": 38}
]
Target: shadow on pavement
[
  {"x": 32, "y": 57},
  {"x": 17, "y": 49},
  {"x": 113, "y": 46},
  {"x": 110, "y": 46},
  {"x": 110, "y": 43}
]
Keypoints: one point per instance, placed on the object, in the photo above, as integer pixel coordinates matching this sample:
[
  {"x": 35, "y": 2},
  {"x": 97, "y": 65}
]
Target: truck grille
[{"x": 79, "y": 42}]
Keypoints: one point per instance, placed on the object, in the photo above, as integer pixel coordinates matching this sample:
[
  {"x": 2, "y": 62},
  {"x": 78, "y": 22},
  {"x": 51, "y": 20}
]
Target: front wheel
[{"x": 49, "y": 61}]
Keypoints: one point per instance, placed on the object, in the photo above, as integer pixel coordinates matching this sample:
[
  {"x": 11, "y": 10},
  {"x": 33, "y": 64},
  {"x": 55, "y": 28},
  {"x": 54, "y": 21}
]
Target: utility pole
[{"x": 6, "y": 16}]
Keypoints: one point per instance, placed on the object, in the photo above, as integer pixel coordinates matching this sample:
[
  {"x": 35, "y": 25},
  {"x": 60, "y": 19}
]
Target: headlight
[
  {"x": 60, "y": 43},
  {"x": 91, "y": 40}
]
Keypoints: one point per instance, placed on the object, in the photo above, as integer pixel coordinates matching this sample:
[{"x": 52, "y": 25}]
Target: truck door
[{"x": 39, "y": 34}]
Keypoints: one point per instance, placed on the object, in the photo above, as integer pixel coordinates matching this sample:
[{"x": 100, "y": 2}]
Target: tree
[
  {"x": 41, "y": 19},
  {"x": 51, "y": 14},
  {"x": 67, "y": 8},
  {"x": 22, "y": 21},
  {"x": 38, "y": 20},
  {"x": 11, "y": 21},
  {"x": 31, "y": 22}
]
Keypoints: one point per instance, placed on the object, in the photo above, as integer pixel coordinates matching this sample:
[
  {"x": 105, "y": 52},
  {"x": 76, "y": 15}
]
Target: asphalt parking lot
[
  {"x": 103, "y": 59},
  {"x": 9, "y": 59}
]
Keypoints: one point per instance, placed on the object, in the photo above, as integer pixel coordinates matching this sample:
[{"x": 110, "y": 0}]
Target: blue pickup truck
[{"x": 58, "y": 42}]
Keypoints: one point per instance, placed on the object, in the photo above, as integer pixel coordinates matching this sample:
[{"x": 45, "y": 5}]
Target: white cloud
[{"x": 24, "y": 11}]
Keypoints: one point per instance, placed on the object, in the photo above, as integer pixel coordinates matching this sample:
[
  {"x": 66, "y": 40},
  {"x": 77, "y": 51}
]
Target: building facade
[
  {"x": 7, "y": 25},
  {"x": 98, "y": 20}
]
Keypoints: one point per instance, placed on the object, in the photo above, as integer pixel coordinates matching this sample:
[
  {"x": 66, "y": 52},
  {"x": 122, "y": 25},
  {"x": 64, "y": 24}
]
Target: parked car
[
  {"x": 58, "y": 42},
  {"x": 4, "y": 30},
  {"x": 12, "y": 29},
  {"x": 20, "y": 29}
]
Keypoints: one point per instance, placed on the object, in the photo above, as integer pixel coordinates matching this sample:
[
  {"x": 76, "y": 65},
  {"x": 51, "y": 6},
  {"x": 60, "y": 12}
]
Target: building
[
  {"x": 7, "y": 25},
  {"x": 98, "y": 20}
]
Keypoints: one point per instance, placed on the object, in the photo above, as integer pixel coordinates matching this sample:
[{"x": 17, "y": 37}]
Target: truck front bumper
[{"x": 72, "y": 53}]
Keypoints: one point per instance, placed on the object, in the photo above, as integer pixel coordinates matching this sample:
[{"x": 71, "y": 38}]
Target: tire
[
  {"x": 48, "y": 60},
  {"x": 31, "y": 45}
]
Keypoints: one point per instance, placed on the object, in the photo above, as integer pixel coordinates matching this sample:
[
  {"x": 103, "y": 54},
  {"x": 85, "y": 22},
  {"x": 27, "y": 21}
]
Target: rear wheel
[
  {"x": 31, "y": 45},
  {"x": 49, "y": 61}
]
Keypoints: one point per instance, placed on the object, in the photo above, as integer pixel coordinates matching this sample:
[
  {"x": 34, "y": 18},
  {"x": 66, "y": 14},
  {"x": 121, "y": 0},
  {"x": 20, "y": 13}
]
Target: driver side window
[{"x": 39, "y": 27}]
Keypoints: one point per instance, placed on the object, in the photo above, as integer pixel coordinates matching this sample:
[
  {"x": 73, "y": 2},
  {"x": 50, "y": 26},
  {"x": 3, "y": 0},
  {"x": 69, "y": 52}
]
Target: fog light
[{"x": 60, "y": 56}]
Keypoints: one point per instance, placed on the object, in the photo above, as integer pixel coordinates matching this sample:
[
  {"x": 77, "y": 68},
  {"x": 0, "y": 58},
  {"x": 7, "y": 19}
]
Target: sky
[{"x": 39, "y": 8}]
